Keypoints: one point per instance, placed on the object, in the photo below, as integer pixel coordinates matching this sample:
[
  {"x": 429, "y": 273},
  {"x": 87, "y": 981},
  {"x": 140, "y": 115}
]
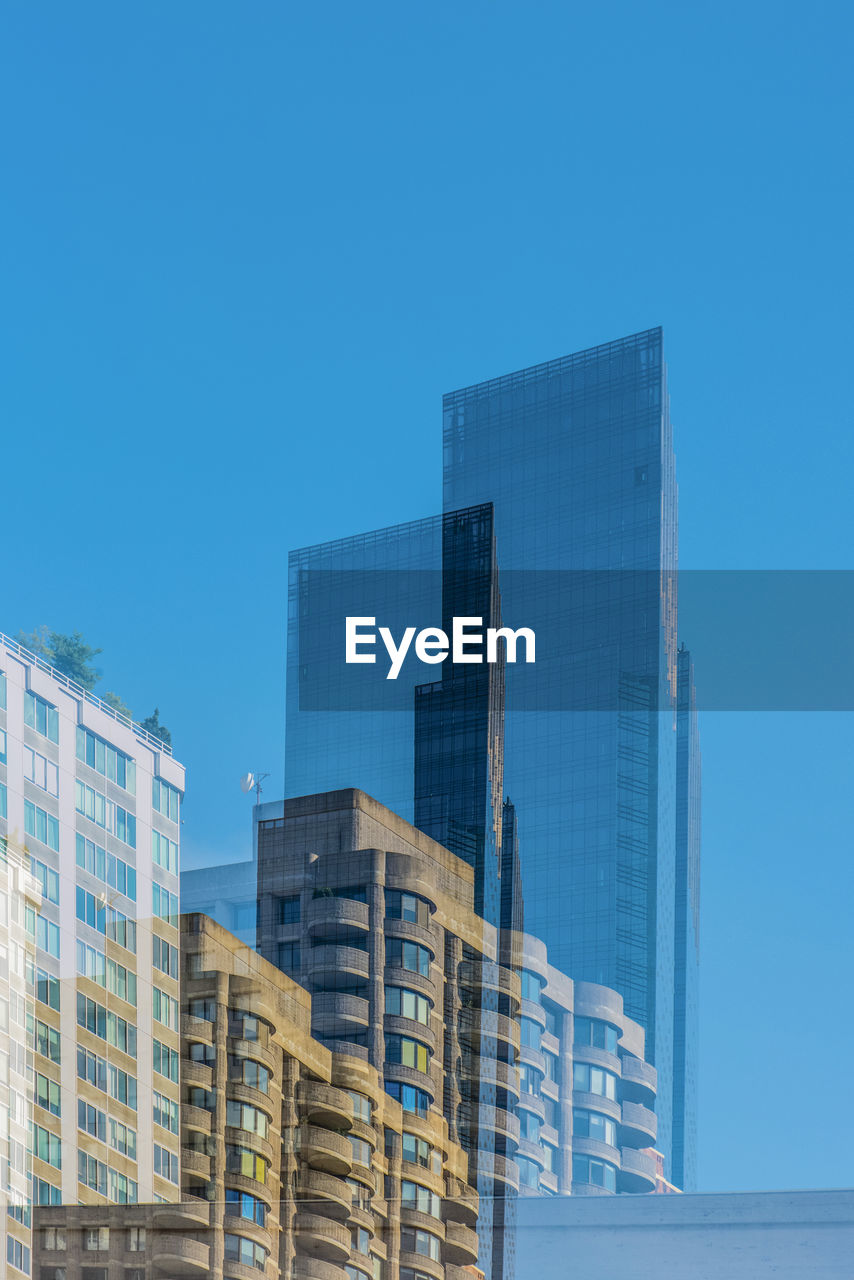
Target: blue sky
[{"x": 245, "y": 250}]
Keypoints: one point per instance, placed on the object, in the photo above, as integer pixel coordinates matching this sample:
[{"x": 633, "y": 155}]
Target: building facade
[
  {"x": 542, "y": 1081},
  {"x": 574, "y": 458},
  {"x": 93, "y": 802},
  {"x": 295, "y": 1159}
]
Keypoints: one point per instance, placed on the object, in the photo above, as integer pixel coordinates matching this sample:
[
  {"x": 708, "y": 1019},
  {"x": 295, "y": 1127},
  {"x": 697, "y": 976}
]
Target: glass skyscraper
[{"x": 574, "y": 458}]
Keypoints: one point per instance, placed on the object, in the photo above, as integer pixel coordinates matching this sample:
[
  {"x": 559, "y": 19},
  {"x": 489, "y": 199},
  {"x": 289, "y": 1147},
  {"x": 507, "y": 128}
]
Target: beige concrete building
[{"x": 295, "y": 1160}]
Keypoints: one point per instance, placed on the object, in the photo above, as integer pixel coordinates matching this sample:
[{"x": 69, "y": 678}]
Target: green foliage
[
  {"x": 69, "y": 654},
  {"x": 113, "y": 700},
  {"x": 155, "y": 728}
]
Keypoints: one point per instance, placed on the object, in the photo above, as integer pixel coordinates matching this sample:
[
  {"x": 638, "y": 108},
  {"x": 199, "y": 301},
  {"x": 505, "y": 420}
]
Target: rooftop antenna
[{"x": 250, "y": 780}]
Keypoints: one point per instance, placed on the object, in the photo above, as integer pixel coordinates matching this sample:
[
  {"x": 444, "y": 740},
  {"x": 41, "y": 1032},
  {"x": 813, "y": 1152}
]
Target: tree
[
  {"x": 72, "y": 656},
  {"x": 69, "y": 654},
  {"x": 113, "y": 700},
  {"x": 156, "y": 729}
]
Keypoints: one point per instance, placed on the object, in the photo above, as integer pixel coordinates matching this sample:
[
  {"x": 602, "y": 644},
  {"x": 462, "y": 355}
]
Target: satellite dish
[{"x": 247, "y": 782}]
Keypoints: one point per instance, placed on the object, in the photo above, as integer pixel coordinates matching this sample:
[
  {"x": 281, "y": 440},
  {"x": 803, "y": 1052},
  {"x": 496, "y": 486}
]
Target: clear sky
[{"x": 245, "y": 250}]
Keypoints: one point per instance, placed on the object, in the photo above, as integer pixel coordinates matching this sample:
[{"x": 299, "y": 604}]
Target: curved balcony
[
  {"x": 639, "y": 1172},
  {"x": 396, "y": 976},
  {"x": 411, "y": 1217},
  {"x": 460, "y": 1244},
  {"x": 503, "y": 1122},
  {"x": 426, "y": 935},
  {"x": 327, "y": 964},
  {"x": 422, "y": 1265},
  {"x": 531, "y": 1151},
  {"x": 266, "y": 1191},
  {"x": 179, "y": 1254},
  {"x": 460, "y": 1203},
  {"x": 325, "y": 1150},
  {"x": 640, "y": 1125},
  {"x": 198, "y": 1028},
  {"x": 254, "y": 1049},
  {"x": 394, "y": 1022},
  {"x": 334, "y": 1013},
  {"x": 595, "y": 1102},
  {"x": 500, "y": 1168},
  {"x": 237, "y": 1137},
  {"x": 485, "y": 974},
  {"x": 308, "y": 1268},
  {"x": 457, "y": 1273},
  {"x": 328, "y": 917},
  {"x": 200, "y": 1118},
  {"x": 322, "y": 1237},
  {"x": 196, "y": 1162},
  {"x": 640, "y": 1081},
  {"x": 188, "y": 1216},
  {"x": 324, "y": 1193},
  {"x": 196, "y": 1073},
  {"x": 477, "y": 1025},
  {"x": 534, "y": 1010},
  {"x": 323, "y": 1104},
  {"x": 598, "y": 1150},
  {"x": 491, "y": 1070}
]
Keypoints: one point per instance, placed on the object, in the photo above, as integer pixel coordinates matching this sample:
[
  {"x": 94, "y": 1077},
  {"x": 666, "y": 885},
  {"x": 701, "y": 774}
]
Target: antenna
[{"x": 250, "y": 780}]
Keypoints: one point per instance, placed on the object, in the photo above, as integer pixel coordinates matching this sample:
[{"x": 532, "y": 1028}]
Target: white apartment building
[{"x": 93, "y": 803}]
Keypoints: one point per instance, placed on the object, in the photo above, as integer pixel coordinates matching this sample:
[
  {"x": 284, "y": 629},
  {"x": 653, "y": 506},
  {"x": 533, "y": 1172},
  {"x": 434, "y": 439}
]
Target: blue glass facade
[{"x": 575, "y": 457}]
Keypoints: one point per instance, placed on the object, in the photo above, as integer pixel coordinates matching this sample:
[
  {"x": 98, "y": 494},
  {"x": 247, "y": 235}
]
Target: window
[
  {"x": 531, "y": 1033},
  {"x": 407, "y": 1004},
  {"x": 247, "y": 1252},
  {"x": 551, "y": 1061},
  {"x": 91, "y": 1172},
  {"x": 408, "y": 1052},
  {"x": 106, "y": 759},
  {"x": 532, "y": 986},
  {"x": 240, "y": 1204},
  {"x": 361, "y": 1106},
  {"x": 592, "y": 1124},
  {"x": 549, "y": 1157},
  {"x": 165, "y": 1060},
  {"x": 123, "y": 1139},
  {"x": 114, "y": 871},
  {"x": 44, "y": 1039},
  {"x": 529, "y": 1173},
  {"x": 413, "y": 1240},
  {"x": 41, "y": 825},
  {"x": 92, "y": 1068},
  {"x": 594, "y": 1173},
  {"x": 164, "y": 852},
  {"x": 240, "y": 1115},
  {"x": 123, "y": 1190},
  {"x": 413, "y": 1100},
  {"x": 91, "y": 910},
  {"x": 244, "y": 1161},
  {"x": 589, "y": 1079},
  {"x": 47, "y": 1146},
  {"x": 201, "y": 1051},
  {"x": 244, "y": 915},
  {"x": 165, "y": 956},
  {"x": 202, "y": 1008},
  {"x": 554, "y": 1020},
  {"x": 136, "y": 1239},
  {"x": 47, "y": 988},
  {"x": 121, "y": 982},
  {"x": 91, "y": 963},
  {"x": 47, "y": 878},
  {"x": 417, "y": 1151},
  {"x": 529, "y": 1126},
  {"x": 3, "y": 746},
  {"x": 361, "y": 1150},
  {"x": 47, "y": 1094},
  {"x": 165, "y": 799},
  {"x": 406, "y": 906},
  {"x": 91, "y": 1120},
  {"x": 287, "y": 909},
  {"x": 41, "y": 716},
  {"x": 360, "y": 1240},
  {"x": 594, "y": 1032},
  {"x": 42, "y": 772},
  {"x": 247, "y": 1071},
  {"x": 96, "y": 1239},
  {"x": 165, "y": 1009},
  {"x": 45, "y": 1192},
  {"x": 104, "y": 813},
  {"x": 165, "y": 1163},
  {"x": 408, "y": 955},
  {"x": 165, "y": 1112},
  {"x": 289, "y": 957},
  {"x": 4, "y": 810},
  {"x": 164, "y": 905},
  {"x": 2, "y": 690},
  {"x": 414, "y": 1196},
  {"x": 53, "y": 1238},
  {"x": 122, "y": 1086},
  {"x": 17, "y": 1254}
]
